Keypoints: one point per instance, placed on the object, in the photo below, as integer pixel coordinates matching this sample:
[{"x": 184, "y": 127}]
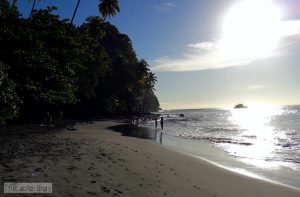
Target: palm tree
[
  {"x": 93, "y": 28},
  {"x": 15, "y": 2},
  {"x": 33, "y": 6},
  {"x": 151, "y": 79},
  {"x": 75, "y": 11},
  {"x": 108, "y": 8}
]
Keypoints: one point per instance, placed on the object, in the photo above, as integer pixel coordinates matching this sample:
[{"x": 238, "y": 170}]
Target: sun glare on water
[
  {"x": 256, "y": 130},
  {"x": 250, "y": 30}
]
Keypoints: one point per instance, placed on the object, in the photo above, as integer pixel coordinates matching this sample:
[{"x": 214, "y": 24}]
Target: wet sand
[{"x": 95, "y": 161}]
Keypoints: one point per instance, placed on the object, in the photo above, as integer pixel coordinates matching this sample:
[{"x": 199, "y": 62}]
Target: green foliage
[
  {"x": 9, "y": 100},
  {"x": 96, "y": 59},
  {"x": 33, "y": 6},
  {"x": 52, "y": 66},
  {"x": 108, "y": 8},
  {"x": 45, "y": 60},
  {"x": 150, "y": 103}
]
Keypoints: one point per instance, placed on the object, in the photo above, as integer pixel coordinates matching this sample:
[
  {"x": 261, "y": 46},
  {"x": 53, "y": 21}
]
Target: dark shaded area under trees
[{"x": 50, "y": 65}]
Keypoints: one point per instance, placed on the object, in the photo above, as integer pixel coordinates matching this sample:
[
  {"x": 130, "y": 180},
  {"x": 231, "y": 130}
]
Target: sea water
[{"x": 266, "y": 140}]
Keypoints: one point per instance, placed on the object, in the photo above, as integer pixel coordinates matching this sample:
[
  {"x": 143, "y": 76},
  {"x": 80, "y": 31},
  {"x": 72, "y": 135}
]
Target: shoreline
[
  {"x": 274, "y": 172},
  {"x": 245, "y": 173},
  {"x": 95, "y": 161}
]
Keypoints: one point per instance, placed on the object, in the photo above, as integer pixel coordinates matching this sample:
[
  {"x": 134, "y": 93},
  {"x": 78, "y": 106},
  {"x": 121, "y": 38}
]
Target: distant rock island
[{"x": 239, "y": 106}]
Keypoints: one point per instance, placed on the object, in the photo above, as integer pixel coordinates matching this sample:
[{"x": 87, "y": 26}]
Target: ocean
[{"x": 263, "y": 141}]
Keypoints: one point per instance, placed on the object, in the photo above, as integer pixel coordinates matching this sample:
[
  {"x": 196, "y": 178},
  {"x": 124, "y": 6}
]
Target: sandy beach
[{"x": 96, "y": 161}]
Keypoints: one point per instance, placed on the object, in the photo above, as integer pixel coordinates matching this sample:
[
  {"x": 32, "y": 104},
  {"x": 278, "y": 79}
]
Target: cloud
[
  {"x": 199, "y": 56},
  {"x": 207, "y": 46},
  {"x": 256, "y": 87},
  {"x": 208, "y": 55},
  {"x": 166, "y": 6}
]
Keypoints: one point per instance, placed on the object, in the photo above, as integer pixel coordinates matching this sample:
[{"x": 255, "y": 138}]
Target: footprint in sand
[
  {"x": 103, "y": 154},
  {"x": 196, "y": 187},
  {"x": 38, "y": 170},
  {"x": 67, "y": 181},
  {"x": 105, "y": 189},
  {"x": 120, "y": 184},
  {"x": 46, "y": 175},
  {"x": 92, "y": 193},
  {"x": 119, "y": 191},
  {"x": 91, "y": 168}
]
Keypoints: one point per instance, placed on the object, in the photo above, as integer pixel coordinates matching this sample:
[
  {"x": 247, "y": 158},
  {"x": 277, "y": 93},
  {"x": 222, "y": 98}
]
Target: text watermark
[{"x": 27, "y": 187}]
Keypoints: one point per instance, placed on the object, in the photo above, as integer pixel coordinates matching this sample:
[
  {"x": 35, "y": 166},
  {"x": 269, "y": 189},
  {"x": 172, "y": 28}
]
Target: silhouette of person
[
  {"x": 48, "y": 120},
  {"x": 162, "y": 122},
  {"x": 60, "y": 115},
  {"x": 155, "y": 123}
]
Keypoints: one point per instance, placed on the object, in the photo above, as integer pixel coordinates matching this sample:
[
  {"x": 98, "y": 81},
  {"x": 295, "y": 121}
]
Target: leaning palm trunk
[
  {"x": 75, "y": 11},
  {"x": 33, "y": 6},
  {"x": 15, "y": 2}
]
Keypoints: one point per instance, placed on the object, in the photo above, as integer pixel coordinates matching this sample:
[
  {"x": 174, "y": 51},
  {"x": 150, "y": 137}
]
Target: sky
[{"x": 209, "y": 53}]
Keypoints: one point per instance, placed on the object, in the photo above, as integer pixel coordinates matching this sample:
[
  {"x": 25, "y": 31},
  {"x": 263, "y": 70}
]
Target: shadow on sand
[{"x": 134, "y": 131}]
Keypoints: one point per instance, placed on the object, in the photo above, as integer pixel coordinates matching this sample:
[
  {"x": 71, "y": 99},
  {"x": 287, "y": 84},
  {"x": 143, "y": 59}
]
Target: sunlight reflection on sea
[{"x": 262, "y": 136}]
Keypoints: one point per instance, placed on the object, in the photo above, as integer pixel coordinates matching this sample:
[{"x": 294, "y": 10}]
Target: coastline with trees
[{"x": 53, "y": 68}]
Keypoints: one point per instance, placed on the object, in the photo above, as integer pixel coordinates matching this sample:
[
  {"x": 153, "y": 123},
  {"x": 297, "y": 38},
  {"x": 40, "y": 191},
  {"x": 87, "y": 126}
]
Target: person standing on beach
[
  {"x": 155, "y": 122},
  {"x": 162, "y": 122},
  {"x": 48, "y": 120}
]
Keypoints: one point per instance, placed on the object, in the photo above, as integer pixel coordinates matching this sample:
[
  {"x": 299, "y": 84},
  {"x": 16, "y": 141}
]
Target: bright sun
[{"x": 250, "y": 30}]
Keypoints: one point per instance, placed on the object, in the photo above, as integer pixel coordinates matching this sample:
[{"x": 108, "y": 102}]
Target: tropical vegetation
[{"x": 48, "y": 65}]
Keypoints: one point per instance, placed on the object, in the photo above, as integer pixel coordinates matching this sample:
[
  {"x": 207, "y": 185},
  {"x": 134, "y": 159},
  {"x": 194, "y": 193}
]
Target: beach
[{"x": 96, "y": 161}]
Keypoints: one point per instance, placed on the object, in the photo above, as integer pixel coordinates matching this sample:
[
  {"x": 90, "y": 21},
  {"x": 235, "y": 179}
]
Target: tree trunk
[
  {"x": 33, "y": 6},
  {"x": 15, "y": 2},
  {"x": 104, "y": 19},
  {"x": 75, "y": 11}
]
